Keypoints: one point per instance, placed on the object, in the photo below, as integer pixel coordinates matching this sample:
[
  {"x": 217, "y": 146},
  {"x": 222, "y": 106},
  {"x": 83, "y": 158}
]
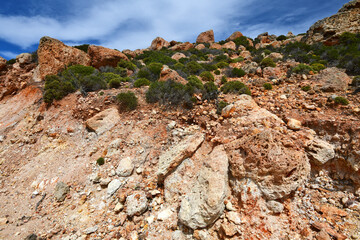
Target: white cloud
[
  {"x": 126, "y": 24},
  {"x": 8, "y": 54}
]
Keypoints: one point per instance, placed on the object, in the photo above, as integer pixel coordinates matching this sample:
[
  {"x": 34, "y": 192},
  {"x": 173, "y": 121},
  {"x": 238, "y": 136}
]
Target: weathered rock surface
[
  {"x": 182, "y": 46},
  {"x": 54, "y": 56},
  {"x": 170, "y": 74},
  {"x": 24, "y": 58},
  {"x": 125, "y": 167},
  {"x": 61, "y": 190},
  {"x": 101, "y": 56},
  {"x": 113, "y": 186},
  {"x": 136, "y": 204},
  {"x": 205, "y": 203},
  {"x": 320, "y": 152},
  {"x": 2, "y": 63},
  {"x": 206, "y": 37},
  {"x": 103, "y": 121},
  {"x": 178, "y": 56},
  {"x": 229, "y": 45},
  {"x": 158, "y": 43},
  {"x": 329, "y": 29},
  {"x": 175, "y": 155},
  {"x": 332, "y": 80},
  {"x": 234, "y": 36}
]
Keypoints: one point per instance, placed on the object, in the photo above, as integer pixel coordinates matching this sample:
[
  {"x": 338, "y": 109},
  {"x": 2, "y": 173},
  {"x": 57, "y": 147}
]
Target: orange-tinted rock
[
  {"x": 101, "y": 56},
  {"x": 234, "y": 36},
  {"x": 229, "y": 45},
  {"x": 128, "y": 52},
  {"x": 170, "y": 74},
  {"x": 2, "y": 63},
  {"x": 182, "y": 46},
  {"x": 332, "y": 80},
  {"x": 54, "y": 56},
  {"x": 215, "y": 46},
  {"x": 206, "y": 37},
  {"x": 200, "y": 46},
  {"x": 178, "y": 56},
  {"x": 158, "y": 43}
]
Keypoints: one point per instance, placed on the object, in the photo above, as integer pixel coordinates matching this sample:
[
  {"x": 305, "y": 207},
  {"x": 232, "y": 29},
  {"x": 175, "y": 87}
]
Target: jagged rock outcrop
[
  {"x": 332, "y": 80},
  {"x": 234, "y": 36},
  {"x": 158, "y": 43},
  {"x": 329, "y": 29},
  {"x": 54, "y": 56},
  {"x": 2, "y": 63},
  {"x": 206, "y": 37},
  {"x": 170, "y": 74},
  {"x": 182, "y": 46},
  {"x": 101, "y": 56},
  {"x": 24, "y": 58}
]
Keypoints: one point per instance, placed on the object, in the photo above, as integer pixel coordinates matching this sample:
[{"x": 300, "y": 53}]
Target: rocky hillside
[
  {"x": 328, "y": 30},
  {"x": 238, "y": 139}
]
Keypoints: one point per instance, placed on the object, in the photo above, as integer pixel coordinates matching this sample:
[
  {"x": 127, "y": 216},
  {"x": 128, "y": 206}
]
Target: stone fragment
[
  {"x": 103, "y": 121},
  {"x": 228, "y": 229},
  {"x": 91, "y": 230},
  {"x": 176, "y": 154},
  {"x": 165, "y": 214},
  {"x": 125, "y": 167},
  {"x": 234, "y": 217},
  {"x": 158, "y": 43},
  {"x": 113, "y": 186},
  {"x": 136, "y": 204},
  {"x": 332, "y": 80},
  {"x": 205, "y": 203},
  {"x": 118, "y": 207},
  {"x": 234, "y": 36},
  {"x": 24, "y": 58},
  {"x": 294, "y": 124},
  {"x": 320, "y": 152},
  {"x": 101, "y": 56},
  {"x": 61, "y": 190},
  {"x": 206, "y": 37},
  {"x": 275, "y": 206}
]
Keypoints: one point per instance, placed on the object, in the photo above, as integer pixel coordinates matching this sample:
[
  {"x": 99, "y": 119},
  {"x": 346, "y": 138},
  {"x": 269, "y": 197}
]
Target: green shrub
[
  {"x": 341, "y": 100},
  {"x": 115, "y": 83},
  {"x": 217, "y": 72},
  {"x": 127, "y": 101},
  {"x": 267, "y": 62},
  {"x": 268, "y": 86},
  {"x": 236, "y": 60},
  {"x": 193, "y": 67},
  {"x": 126, "y": 64},
  {"x": 223, "y": 80},
  {"x": 302, "y": 69},
  {"x": 267, "y": 51},
  {"x": 242, "y": 41},
  {"x": 306, "y": 88},
  {"x": 220, "y": 106},
  {"x": 178, "y": 66},
  {"x": 281, "y": 38},
  {"x": 356, "y": 81},
  {"x": 221, "y": 58},
  {"x": 92, "y": 83},
  {"x": 222, "y": 64},
  {"x": 141, "y": 82},
  {"x": 83, "y": 47},
  {"x": 11, "y": 61},
  {"x": 100, "y": 161},
  {"x": 195, "y": 82},
  {"x": 317, "y": 67},
  {"x": 207, "y": 76},
  {"x": 211, "y": 91},
  {"x": 55, "y": 88},
  {"x": 169, "y": 93},
  {"x": 235, "y": 87},
  {"x": 155, "y": 68},
  {"x": 157, "y": 56},
  {"x": 237, "y": 72},
  {"x": 121, "y": 71}
]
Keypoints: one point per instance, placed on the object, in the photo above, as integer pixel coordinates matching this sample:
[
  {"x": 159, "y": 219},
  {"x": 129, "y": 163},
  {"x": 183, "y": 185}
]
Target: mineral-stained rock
[
  {"x": 229, "y": 45},
  {"x": 332, "y": 80},
  {"x": 178, "y": 56},
  {"x": 158, "y": 43},
  {"x": 205, "y": 203},
  {"x": 234, "y": 36},
  {"x": 101, "y": 56},
  {"x": 2, "y": 63},
  {"x": 54, "y": 56},
  {"x": 176, "y": 154},
  {"x": 320, "y": 152},
  {"x": 200, "y": 46},
  {"x": 170, "y": 74},
  {"x": 215, "y": 46},
  {"x": 103, "y": 121},
  {"x": 294, "y": 124},
  {"x": 136, "y": 204},
  {"x": 329, "y": 29},
  {"x": 61, "y": 190},
  {"x": 275, "y": 206},
  {"x": 113, "y": 186},
  {"x": 206, "y": 37},
  {"x": 24, "y": 58},
  {"x": 182, "y": 46}
]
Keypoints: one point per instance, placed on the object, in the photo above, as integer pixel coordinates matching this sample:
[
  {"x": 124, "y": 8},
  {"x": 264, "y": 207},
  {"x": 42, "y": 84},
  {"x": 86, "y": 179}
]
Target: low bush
[
  {"x": 356, "y": 81},
  {"x": 317, "y": 67},
  {"x": 267, "y": 62},
  {"x": 55, "y": 88},
  {"x": 83, "y": 47},
  {"x": 281, "y": 38},
  {"x": 127, "y": 101},
  {"x": 207, "y": 76},
  {"x": 237, "y": 72},
  {"x": 268, "y": 86},
  {"x": 100, "y": 161},
  {"x": 223, "y": 80},
  {"x": 242, "y": 41},
  {"x": 193, "y": 67},
  {"x": 217, "y": 72},
  {"x": 235, "y": 87},
  {"x": 236, "y": 60},
  {"x": 92, "y": 83},
  {"x": 115, "y": 83},
  {"x": 306, "y": 88},
  {"x": 222, "y": 64},
  {"x": 126, "y": 64},
  {"x": 155, "y": 68},
  {"x": 341, "y": 100},
  {"x": 302, "y": 69},
  {"x": 141, "y": 82},
  {"x": 195, "y": 82},
  {"x": 211, "y": 91}
]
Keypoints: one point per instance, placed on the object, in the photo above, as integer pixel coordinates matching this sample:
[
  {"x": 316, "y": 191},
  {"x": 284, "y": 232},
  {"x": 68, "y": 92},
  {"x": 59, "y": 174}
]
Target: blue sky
[{"x": 124, "y": 24}]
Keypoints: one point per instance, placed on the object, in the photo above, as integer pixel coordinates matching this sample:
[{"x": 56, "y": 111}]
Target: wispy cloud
[{"x": 8, "y": 54}]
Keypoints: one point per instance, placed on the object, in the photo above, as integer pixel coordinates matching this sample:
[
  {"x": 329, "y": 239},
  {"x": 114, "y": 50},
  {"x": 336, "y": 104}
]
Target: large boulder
[
  {"x": 2, "y": 63},
  {"x": 24, "y": 58},
  {"x": 332, "y": 80},
  {"x": 229, "y": 45},
  {"x": 329, "y": 29},
  {"x": 206, "y": 37},
  {"x": 234, "y": 36},
  {"x": 320, "y": 151},
  {"x": 158, "y": 43},
  {"x": 136, "y": 203},
  {"x": 54, "y": 56},
  {"x": 103, "y": 121},
  {"x": 182, "y": 46},
  {"x": 205, "y": 203},
  {"x": 101, "y": 56},
  {"x": 170, "y": 74}
]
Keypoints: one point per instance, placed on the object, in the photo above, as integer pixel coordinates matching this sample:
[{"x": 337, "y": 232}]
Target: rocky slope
[
  {"x": 329, "y": 29},
  {"x": 282, "y": 163}
]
